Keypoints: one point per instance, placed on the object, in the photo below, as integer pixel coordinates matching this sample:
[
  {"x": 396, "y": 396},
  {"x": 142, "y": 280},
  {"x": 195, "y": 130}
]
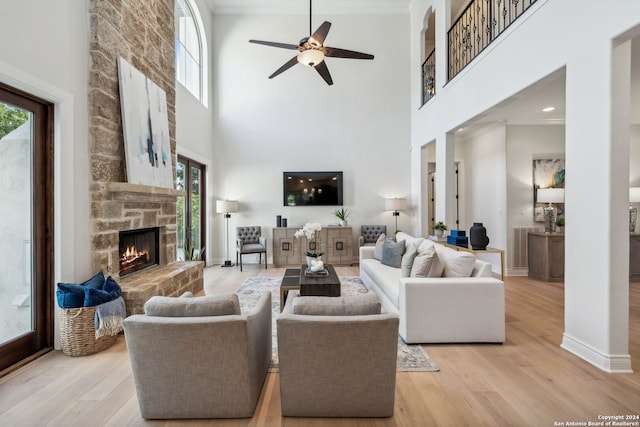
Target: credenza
[
  {"x": 335, "y": 242},
  {"x": 546, "y": 256}
]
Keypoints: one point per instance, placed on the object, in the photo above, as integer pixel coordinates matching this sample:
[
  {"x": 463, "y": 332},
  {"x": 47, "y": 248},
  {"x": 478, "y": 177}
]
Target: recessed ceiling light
[
  {"x": 547, "y": 109},
  {"x": 460, "y": 130}
]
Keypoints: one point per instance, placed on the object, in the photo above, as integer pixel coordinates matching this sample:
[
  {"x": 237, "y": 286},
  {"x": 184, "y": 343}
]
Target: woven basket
[{"x": 78, "y": 333}]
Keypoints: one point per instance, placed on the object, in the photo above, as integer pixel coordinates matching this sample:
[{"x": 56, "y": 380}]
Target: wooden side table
[{"x": 546, "y": 256}]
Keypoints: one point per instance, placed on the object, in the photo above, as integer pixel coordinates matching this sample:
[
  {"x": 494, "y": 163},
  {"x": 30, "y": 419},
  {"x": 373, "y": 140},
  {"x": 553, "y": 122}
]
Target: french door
[
  {"x": 26, "y": 225},
  {"x": 191, "y": 215}
]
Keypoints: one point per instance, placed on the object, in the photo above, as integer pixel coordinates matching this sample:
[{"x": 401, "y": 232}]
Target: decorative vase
[
  {"x": 342, "y": 222},
  {"x": 478, "y": 236},
  {"x": 311, "y": 258},
  {"x": 439, "y": 233}
]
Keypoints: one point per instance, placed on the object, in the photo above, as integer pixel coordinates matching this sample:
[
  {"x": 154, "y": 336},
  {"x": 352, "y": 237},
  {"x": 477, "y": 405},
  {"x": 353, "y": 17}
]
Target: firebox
[{"x": 139, "y": 249}]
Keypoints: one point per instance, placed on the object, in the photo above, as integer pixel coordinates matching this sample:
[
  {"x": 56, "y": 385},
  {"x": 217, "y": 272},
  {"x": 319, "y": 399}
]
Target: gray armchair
[
  {"x": 199, "y": 357},
  {"x": 370, "y": 233},
  {"x": 249, "y": 240},
  {"x": 336, "y": 360}
]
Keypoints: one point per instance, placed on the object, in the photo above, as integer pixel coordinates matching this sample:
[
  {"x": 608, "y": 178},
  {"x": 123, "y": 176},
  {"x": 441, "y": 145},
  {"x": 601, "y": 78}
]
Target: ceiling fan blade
[
  {"x": 293, "y": 61},
  {"x": 334, "y": 52},
  {"x": 322, "y": 69},
  {"x": 275, "y": 44},
  {"x": 321, "y": 32}
]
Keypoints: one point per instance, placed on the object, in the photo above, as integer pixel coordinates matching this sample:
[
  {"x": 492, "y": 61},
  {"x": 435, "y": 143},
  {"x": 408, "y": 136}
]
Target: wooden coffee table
[
  {"x": 326, "y": 286},
  {"x": 294, "y": 279}
]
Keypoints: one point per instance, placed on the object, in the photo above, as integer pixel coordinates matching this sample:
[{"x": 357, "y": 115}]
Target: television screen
[{"x": 312, "y": 188}]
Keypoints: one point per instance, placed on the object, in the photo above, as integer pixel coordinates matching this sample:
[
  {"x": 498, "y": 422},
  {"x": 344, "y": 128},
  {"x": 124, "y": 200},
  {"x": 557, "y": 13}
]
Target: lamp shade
[
  {"x": 395, "y": 204},
  {"x": 226, "y": 206},
  {"x": 550, "y": 195},
  {"x": 634, "y": 194},
  {"x": 310, "y": 57}
]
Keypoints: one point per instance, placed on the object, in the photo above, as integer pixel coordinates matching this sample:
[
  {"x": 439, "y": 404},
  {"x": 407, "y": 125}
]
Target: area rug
[{"x": 411, "y": 358}]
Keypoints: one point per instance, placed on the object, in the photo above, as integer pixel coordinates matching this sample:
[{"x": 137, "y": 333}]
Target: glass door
[
  {"x": 26, "y": 249},
  {"x": 191, "y": 226}
]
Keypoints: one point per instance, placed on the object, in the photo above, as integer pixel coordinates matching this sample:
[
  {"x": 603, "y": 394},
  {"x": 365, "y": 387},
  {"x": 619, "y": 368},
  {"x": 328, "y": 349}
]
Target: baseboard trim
[{"x": 612, "y": 363}]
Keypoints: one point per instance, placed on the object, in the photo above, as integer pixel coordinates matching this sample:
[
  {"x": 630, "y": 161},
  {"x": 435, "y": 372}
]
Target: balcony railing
[
  {"x": 479, "y": 25},
  {"x": 429, "y": 77}
]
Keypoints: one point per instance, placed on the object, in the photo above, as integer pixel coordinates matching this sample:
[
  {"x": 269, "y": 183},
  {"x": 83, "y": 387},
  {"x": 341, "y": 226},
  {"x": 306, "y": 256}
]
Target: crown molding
[{"x": 297, "y": 7}]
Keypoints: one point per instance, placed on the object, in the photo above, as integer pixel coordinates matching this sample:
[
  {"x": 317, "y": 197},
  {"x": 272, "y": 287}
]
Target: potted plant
[
  {"x": 310, "y": 231},
  {"x": 439, "y": 228},
  {"x": 560, "y": 224},
  {"x": 342, "y": 214}
]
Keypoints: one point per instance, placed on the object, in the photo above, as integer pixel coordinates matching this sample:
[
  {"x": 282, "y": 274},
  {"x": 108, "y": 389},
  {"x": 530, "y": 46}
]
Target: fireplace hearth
[{"x": 138, "y": 249}]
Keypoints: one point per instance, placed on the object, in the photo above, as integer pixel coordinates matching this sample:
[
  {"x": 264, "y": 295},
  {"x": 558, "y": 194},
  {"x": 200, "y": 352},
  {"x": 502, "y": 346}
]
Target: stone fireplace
[{"x": 142, "y": 32}]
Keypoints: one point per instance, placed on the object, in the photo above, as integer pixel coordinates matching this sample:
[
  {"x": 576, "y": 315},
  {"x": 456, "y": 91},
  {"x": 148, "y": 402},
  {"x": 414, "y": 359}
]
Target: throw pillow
[
  {"x": 70, "y": 295},
  {"x": 377, "y": 251},
  {"x": 110, "y": 291},
  {"x": 352, "y": 305},
  {"x": 425, "y": 245},
  {"x": 456, "y": 263},
  {"x": 407, "y": 260},
  {"x": 427, "y": 264},
  {"x": 392, "y": 253},
  {"x": 210, "y": 305},
  {"x": 408, "y": 239}
]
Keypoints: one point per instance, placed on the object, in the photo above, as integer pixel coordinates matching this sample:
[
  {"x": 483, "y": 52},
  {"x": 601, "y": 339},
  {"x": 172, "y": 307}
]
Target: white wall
[
  {"x": 482, "y": 193},
  {"x": 295, "y": 122},
  {"x": 195, "y": 137},
  {"x": 45, "y": 52}
]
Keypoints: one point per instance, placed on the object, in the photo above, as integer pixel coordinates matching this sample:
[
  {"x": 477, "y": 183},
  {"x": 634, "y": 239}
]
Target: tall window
[
  {"x": 191, "y": 52},
  {"x": 191, "y": 210}
]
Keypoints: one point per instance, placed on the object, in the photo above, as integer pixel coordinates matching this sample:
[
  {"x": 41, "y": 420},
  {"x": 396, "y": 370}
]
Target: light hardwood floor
[{"x": 528, "y": 381}]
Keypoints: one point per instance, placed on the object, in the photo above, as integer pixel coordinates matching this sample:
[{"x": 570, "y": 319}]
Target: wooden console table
[
  {"x": 481, "y": 251},
  {"x": 546, "y": 256}
]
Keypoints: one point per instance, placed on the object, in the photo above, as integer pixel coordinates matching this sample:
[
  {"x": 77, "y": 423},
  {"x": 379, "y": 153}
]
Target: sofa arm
[
  {"x": 448, "y": 309},
  {"x": 259, "y": 337},
  {"x": 366, "y": 252}
]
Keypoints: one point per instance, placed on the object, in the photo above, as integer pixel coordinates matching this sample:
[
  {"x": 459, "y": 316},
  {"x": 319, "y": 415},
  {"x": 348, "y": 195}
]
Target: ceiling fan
[{"x": 312, "y": 51}]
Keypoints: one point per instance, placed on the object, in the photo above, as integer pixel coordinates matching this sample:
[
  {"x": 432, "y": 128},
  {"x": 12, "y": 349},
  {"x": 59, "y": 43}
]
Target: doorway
[
  {"x": 26, "y": 226},
  {"x": 191, "y": 211}
]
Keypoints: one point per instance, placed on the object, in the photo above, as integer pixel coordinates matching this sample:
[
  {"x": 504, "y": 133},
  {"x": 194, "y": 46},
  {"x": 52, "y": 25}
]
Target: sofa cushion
[
  {"x": 427, "y": 264},
  {"x": 407, "y": 259},
  {"x": 425, "y": 245},
  {"x": 352, "y": 305},
  {"x": 70, "y": 295},
  {"x": 377, "y": 252},
  {"x": 409, "y": 239},
  {"x": 210, "y": 305},
  {"x": 386, "y": 278},
  {"x": 456, "y": 263},
  {"x": 392, "y": 253}
]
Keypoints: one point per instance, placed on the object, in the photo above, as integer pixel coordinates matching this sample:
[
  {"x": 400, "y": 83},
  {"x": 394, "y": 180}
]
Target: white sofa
[{"x": 439, "y": 309}]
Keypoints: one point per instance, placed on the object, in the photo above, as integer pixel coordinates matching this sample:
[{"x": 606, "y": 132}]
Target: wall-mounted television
[{"x": 312, "y": 188}]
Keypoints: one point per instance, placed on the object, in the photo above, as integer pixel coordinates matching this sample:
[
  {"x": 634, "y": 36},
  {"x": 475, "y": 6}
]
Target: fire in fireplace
[{"x": 139, "y": 249}]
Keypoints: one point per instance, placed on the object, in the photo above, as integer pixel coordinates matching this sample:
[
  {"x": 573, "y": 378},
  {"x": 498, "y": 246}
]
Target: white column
[{"x": 596, "y": 231}]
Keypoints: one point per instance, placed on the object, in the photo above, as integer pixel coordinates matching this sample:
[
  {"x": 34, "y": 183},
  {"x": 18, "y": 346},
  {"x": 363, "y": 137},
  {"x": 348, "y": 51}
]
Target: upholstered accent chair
[
  {"x": 335, "y": 359},
  {"x": 249, "y": 240},
  {"x": 199, "y": 357},
  {"x": 370, "y": 233}
]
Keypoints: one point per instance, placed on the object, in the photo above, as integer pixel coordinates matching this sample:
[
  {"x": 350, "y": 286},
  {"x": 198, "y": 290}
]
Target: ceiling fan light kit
[{"x": 313, "y": 52}]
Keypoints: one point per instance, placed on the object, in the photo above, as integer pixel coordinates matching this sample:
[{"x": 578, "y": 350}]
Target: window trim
[{"x": 203, "y": 96}]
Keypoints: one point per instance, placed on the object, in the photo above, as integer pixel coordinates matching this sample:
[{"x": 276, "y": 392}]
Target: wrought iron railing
[
  {"x": 429, "y": 77},
  {"x": 479, "y": 25}
]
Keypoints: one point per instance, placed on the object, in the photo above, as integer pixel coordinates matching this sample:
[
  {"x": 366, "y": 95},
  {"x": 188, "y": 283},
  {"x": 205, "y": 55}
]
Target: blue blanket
[{"x": 109, "y": 317}]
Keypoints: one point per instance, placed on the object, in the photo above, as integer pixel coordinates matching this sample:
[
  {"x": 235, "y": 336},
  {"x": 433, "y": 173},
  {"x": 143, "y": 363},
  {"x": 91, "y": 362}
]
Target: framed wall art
[{"x": 547, "y": 173}]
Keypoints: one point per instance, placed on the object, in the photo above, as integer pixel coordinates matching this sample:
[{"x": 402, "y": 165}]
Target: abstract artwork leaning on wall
[{"x": 145, "y": 124}]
